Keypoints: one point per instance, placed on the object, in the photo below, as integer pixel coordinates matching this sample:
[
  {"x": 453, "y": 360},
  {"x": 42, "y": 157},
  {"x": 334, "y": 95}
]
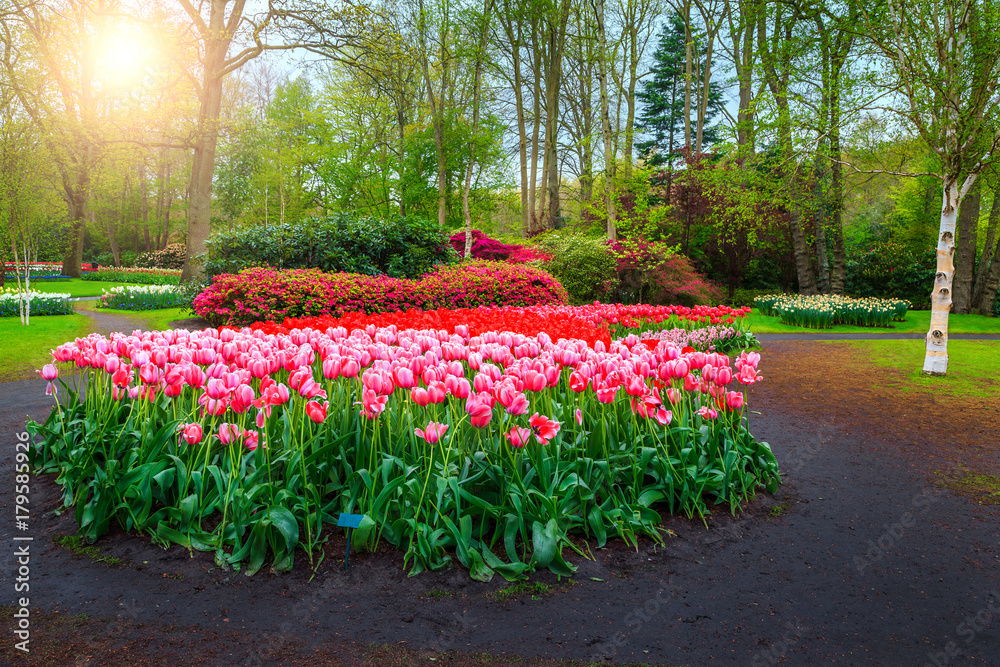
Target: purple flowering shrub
[
  {"x": 259, "y": 294},
  {"x": 484, "y": 247}
]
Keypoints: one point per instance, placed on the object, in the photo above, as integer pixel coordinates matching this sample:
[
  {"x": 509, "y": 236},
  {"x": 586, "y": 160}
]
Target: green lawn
[
  {"x": 27, "y": 348},
  {"x": 973, "y": 366},
  {"x": 917, "y": 321},
  {"x": 74, "y": 286}
]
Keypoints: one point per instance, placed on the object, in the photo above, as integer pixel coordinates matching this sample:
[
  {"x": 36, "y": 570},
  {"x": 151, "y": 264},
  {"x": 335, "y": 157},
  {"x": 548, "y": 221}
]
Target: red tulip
[
  {"x": 317, "y": 411},
  {"x": 544, "y": 428}
]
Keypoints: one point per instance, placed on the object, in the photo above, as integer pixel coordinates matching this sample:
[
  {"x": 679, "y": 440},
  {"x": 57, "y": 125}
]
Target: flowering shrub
[
  {"x": 245, "y": 443},
  {"x": 473, "y": 284},
  {"x": 42, "y": 303},
  {"x": 142, "y": 297},
  {"x": 170, "y": 257},
  {"x": 483, "y": 247},
  {"x": 824, "y": 310},
  {"x": 260, "y": 294},
  {"x": 584, "y": 266},
  {"x": 654, "y": 273},
  {"x": 134, "y": 275}
]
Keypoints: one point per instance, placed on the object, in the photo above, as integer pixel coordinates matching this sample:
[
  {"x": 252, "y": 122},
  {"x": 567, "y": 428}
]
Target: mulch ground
[{"x": 865, "y": 555}]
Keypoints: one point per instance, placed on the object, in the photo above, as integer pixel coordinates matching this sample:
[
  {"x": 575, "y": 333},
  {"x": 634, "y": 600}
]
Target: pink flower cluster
[
  {"x": 229, "y": 375},
  {"x": 484, "y": 247},
  {"x": 261, "y": 294}
]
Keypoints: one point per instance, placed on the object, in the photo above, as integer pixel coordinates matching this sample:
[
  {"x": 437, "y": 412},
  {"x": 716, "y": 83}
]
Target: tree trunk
[
  {"x": 203, "y": 164},
  {"x": 839, "y": 274},
  {"x": 476, "y": 89},
  {"x": 76, "y": 205},
  {"x": 985, "y": 291},
  {"x": 968, "y": 223},
  {"x": 688, "y": 66},
  {"x": 803, "y": 267},
  {"x": 522, "y": 131},
  {"x": 936, "y": 359},
  {"x": 822, "y": 257},
  {"x": 609, "y": 155}
]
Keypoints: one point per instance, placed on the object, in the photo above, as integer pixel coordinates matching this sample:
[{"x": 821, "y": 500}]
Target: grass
[
  {"x": 982, "y": 487},
  {"x": 535, "y": 589},
  {"x": 26, "y": 348},
  {"x": 74, "y": 286},
  {"x": 74, "y": 544},
  {"x": 917, "y": 321},
  {"x": 973, "y": 366}
]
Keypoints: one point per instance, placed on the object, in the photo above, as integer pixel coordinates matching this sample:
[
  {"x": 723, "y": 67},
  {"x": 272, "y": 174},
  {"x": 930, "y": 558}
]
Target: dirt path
[
  {"x": 106, "y": 323},
  {"x": 858, "y": 559}
]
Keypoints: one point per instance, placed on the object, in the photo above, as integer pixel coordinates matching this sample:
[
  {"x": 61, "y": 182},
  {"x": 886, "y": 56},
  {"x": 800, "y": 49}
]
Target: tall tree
[
  {"x": 945, "y": 55},
  {"x": 217, "y": 23}
]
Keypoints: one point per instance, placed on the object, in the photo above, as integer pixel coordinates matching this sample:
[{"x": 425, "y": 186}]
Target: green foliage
[
  {"x": 585, "y": 266},
  {"x": 889, "y": 269},
  {"x": 399, "y": 247}
]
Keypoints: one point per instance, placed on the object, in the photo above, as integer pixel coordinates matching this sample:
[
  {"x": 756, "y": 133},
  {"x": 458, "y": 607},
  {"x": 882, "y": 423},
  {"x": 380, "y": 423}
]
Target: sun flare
[{"x": 123, "y": 56}]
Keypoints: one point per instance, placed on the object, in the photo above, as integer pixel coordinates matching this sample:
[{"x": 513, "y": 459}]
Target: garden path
[{"x": 861, "y": 557}]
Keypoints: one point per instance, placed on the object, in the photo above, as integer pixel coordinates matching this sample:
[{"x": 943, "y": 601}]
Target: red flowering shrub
[
  {"x": 483, "y": 247},
  {"x": 473, "y": 284},
  {"x": 650, "y": 273},
  {"x": 259, "y": 294}
]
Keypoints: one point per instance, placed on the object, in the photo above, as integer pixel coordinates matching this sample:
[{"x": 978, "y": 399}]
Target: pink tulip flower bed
[{"x": 489, "y": 450}]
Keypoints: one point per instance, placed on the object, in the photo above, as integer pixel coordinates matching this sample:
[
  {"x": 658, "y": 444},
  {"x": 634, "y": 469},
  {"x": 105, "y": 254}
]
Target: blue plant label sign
[{"x": 349, "y": 520}]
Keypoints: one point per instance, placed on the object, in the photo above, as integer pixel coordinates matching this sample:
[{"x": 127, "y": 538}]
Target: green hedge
[
  {"x": 400, "y": 247},
  {"x": 584, "y": 266}
]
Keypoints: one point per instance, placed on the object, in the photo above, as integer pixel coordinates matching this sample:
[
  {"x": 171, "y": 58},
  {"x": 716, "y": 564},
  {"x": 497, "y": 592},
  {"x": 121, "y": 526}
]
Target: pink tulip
[
  {"x": 606, "y": 394},
  {"x": 437, "y": 392},
  {"x": 420, "y": 396},
  {"x": 578, "y": 382},
  {"x": 458, "y": 387},
  {"x": 192, "y": 433},
  {"x": 350, "y": 367},
  {"x": 480, "y": 412},
  {"x": 724, "y": 376},
  {"x": 49, "y": 372},
  {"x": 707, "y": 412},
  {"x": 216, "y": 389},
  {"x": 636, "y": 386},
  {"x": 251, "y": 439},
  {"x": 519, "y": 436},
  {"x": 404, "y": 378},
  {"x": 664, "y": 416},
  {"x": 734, "y": 399},
  {"x": 579, "y": 417},
  {"x": 518, "y": 405},
  {"x": 229, "y": 433},
  {"x": 432, "y": 433}
]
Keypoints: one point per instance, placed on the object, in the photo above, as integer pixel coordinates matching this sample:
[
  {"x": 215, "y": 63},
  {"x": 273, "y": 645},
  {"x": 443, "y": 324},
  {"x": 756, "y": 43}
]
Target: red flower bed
[{"x": 591, "y": 323}]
